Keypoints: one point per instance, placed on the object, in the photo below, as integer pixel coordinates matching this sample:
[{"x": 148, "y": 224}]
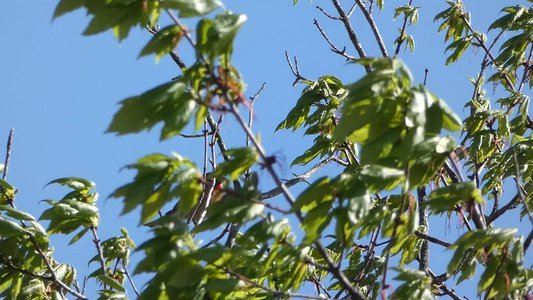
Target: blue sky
[{"x": 59, "y": 90}]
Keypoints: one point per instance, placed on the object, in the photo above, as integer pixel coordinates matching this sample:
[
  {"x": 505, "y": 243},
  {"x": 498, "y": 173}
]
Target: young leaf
[
  {"x": 445, "y": 198},
  {"x": 240, "y": 160},
  {"x": 188, "y": 8},
  {"x": 66, "y": 6},
  {"x": 163, "y": 42},
  {"x": 75, "y": 183}
]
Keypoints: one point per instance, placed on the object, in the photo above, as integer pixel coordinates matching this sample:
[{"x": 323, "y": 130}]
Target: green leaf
[
  {"x": 188, "y": 8},
  {"x": 169, "y": 103},
  {"x": 155, "y": 202},
  {"x": 215, "y": 37},
  {"x": 415, "y": 285},
  {"x": 9, "y": 228},
  {"x": 187, "y": 274},
  {"x": 163, "y": 42},
  {"x": 223, "y": 285},
  {"x": 105, "y": 18},
  {"x": 378, "y": 178},
  {"x": 459, "y": 47},
  {"x": 315, "y": 221},
  {"x": 445, "y": 198},
  {"x": 240, "y": 160},
  {"x": 112, "y": 282},
  {"x": 321, "y": 146},
  {"x": 66, "y": 6},
  {"x": 318, "y": 191},
  {"x": 16, "y": 214},
  {"x": 75, "y": 183},
  {"x": 78, "y": 236}
]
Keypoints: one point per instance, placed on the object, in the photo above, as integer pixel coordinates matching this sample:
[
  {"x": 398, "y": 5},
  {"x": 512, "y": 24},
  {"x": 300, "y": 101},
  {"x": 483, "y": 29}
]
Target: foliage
[{"x": 393, "y": 141}]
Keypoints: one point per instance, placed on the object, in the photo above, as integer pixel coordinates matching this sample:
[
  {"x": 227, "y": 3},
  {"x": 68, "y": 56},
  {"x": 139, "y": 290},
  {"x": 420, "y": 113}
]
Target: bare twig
[
  {"x": 374, "y": 27},
  {"x": 327, "y": 14},
  {"x": 250, "y": 111},
  {"x": 200, "y": 135},
  {"x": 276, "y": 191},
  {"x": 98, "y": 246},
  {"x": 333, "y": 48},
  {"x": 8, "y": 153},
  {"x": 129, "y": 278},
  {"x": 219, "y": 237},
  {"x": 351, "y": 33},
  {"x": 432, "y": 239},
  {"x": 295, "y": 70},
  {"x": 496, "y": 214},
  {"x": 33, "y": 240}
]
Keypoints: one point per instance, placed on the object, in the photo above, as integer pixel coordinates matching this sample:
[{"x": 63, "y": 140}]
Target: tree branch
[
  {"x": 401, "y": 38},
  {"x": 333, "y": 48},
  {"x": 336, "y": 272},
  {"x": 276, "y": 191},
  {"x": 374, "y": 28},
  {"x": 432, "y": 239},
  {"x": 98, "y": 246},
  {"x": 130, "y": 279},
  {"x": 351, "y": 33}
]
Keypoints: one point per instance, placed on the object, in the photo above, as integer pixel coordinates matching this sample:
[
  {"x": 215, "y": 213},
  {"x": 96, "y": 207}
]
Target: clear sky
[{"x": 59, "y": 90}]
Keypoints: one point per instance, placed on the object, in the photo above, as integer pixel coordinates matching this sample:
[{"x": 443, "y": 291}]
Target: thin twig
[
  {"x": 432, "y": 239},
  {"x": 219, "y": 237},
  {"x": 374, "y": 27},
  {"x": 277, "y": 190},
  {"x": 295, "y": 70},
  {"x": 135, "y": 290},
  {"x": 401, "y": 38},
  {"x": 496, "y": 214},
  {"x": 519, "y": 187},
  {"x": 333, "y": 48},
  {"x": 250, "y": 111},
  {"x": 200, "y": 135},
  {"x": 175, "y": 57},
  {"x": 52, "y": 271},
  {"x": 182, "y": 28},
  {"x": 9, "y": 264},
  {"x": 327, "y": 14},
  {"x": 351, "y": 33},
  {"x": 423, "y": 217},
  {"x": 8, "y": 153},
  {"x": 98, "y": 246},
  {"x": 438, "y": 280},
  {"x": 487, "y": 51},
  {"x": 527, "y": 69},
  {"x": 33, "y": 240}
]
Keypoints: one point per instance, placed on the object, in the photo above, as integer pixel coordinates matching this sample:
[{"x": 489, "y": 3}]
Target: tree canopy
[{"x": 388, "y": 159}]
